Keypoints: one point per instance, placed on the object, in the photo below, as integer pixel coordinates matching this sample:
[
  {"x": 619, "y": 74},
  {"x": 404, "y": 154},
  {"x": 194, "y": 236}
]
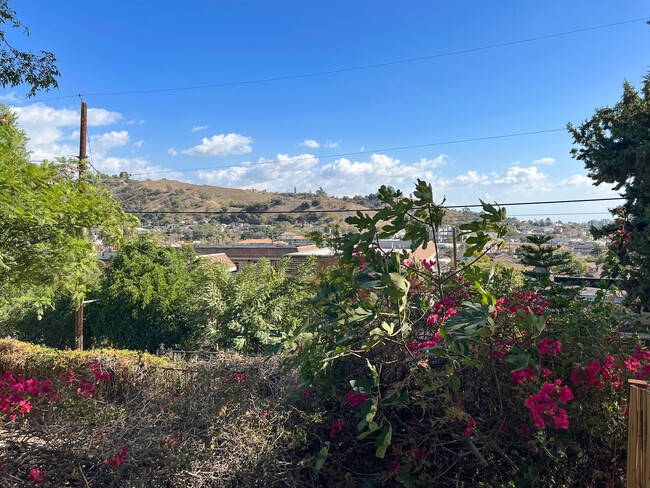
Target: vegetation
[
  {"x": 17, "y": 67},
  {"x": 394, "y": 373},
  {"x": 613, "y": 145},
  {"x": 149, "y": 297},
  {"x": 256, "y": 307},
  {"x": 46, "y": 216}
]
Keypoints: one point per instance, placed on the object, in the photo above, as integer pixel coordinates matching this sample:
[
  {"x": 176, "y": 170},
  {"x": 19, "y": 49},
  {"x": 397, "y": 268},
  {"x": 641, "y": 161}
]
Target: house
[
  {"x": 295, "y": 239},
  {"x": 244, "y": 254},
  {"x": 220, "y": 258}
]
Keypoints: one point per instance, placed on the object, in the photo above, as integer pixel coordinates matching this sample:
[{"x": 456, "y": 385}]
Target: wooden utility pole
[
  {"x": 454, "y": 238},
  {"x": 83, "y": 127}
]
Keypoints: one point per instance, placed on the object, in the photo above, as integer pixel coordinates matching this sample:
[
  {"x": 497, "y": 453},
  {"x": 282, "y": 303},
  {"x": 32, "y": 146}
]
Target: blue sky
[{"x": 130, "y": 46}]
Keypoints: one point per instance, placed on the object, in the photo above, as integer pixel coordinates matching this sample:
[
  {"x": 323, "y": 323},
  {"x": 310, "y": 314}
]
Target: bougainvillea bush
[{"x": 459, "y": 378}]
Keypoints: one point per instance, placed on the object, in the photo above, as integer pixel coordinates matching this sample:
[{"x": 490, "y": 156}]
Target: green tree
[
  {"x": 17, "y": 67},
  {"x": 544, "y": 257},
  {"x": 149, "y": 296},
  {"x": 46, "y": 217},
  {"x": 258, "y": 306},
  {"x": 614, "y": 147}
]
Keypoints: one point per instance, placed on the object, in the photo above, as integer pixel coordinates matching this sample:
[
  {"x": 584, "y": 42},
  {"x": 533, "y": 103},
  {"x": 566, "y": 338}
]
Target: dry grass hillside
[{"x": 171, "y": 195}]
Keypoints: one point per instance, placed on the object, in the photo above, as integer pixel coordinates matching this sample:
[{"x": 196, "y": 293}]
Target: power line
[
  {"x": 387, "y": 149},
  {"x": 345, "y": 210},
  {"x": 353, "y": 68}
]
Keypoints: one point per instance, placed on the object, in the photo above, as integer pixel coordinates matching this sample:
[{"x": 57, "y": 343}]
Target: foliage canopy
[
  {"x": 46, "y": 217},
  {"x": 614, "y": 145}
]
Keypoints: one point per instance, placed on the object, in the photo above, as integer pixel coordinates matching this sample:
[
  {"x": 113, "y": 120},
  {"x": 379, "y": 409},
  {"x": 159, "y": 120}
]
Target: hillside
[{"x": 171, "y": 195}]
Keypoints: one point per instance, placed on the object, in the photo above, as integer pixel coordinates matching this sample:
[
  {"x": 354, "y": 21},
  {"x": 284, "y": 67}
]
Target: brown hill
[{"x": 176, "y": 196}]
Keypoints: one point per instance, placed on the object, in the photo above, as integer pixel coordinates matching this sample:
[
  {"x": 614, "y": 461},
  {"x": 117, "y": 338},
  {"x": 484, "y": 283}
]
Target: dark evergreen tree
[{"x": 614, "y": 145}]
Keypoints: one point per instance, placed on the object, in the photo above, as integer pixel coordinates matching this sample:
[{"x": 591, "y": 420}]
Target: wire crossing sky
[{"x": 470, "y": 96}]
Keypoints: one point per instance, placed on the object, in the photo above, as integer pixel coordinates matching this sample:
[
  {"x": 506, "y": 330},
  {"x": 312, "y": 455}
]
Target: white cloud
[
  {"x": 310, "y": 143},
  {"x": 102, "y": 143},
  {"x": 46, "y": 128},
  {"x": 172, "y": 151},
  {"x": 577, "y": 180},
  {"x": 221, "y": 145},
  {"x": 543, "y": 161},
  {"x": 138, "y": 144},
  {"x": 431, "y": 163},
  {"x": 134, "y": 122},
  {"x": 197, "y": 128},
  {"x": 524, "y": 178},
  {"x": 331, "y": 145},
  {"x": 10, "y": 97}
]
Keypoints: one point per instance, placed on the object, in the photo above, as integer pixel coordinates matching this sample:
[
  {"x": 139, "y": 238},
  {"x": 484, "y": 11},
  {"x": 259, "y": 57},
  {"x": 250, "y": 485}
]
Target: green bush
[{"x": 440, "y": 379}]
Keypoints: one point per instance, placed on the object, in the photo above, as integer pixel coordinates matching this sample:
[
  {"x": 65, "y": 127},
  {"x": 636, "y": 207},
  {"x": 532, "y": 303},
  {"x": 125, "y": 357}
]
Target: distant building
[
  {"x": 295, "y": 239},
  {"x": 244, "y": 254},
  {"x": 220, "y": 258}
]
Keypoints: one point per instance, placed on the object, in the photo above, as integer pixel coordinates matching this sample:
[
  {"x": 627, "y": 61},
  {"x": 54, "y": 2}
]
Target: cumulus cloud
[
  {"x": 54, "y": 133},
  {"x": 10, "y": 97},
  {"x": 138, "y": 144},
  {"x": 172, "y": 151},
  {"x": 197, "y": 128},
  {"x": 345, "y": 176},
  {"x": 577, "y": 180},
  {"x": 221, "y": 145},
  {"x": 313, "y": 144},
  {"x": 543, "y": 161},
  {"x": 103, "y": 142},
  {"x": 310, "y": 143},
  {"x": 523, "y": 178},
  {"x": 431, "y": 163},
  {"x": 49, "y": 128}
]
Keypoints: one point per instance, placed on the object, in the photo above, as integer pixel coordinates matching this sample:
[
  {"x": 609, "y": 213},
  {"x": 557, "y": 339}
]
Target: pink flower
[
  {"x": 337, "y": 426},
  {"x": 518, "y": 377},
  {"x": 355, "y": 398},
  {"x": 37, "y": 476},
  {"x": 561, "y": 420},
  {"x": 119, "y": 459},
  {"x": 565, "y": 394},
  {"x": 394, "y": 466},
  {"x": 524, "y": 429},
  {"x": 432, "y": 319},
  {"x": 468, "y": 429}
]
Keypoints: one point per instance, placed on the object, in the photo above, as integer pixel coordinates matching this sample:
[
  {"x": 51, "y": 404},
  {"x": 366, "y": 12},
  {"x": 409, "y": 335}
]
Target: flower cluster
[
  {"x": 518, "y": 377},
  {"x": 525, "y": 300},
  {"x": 17, "y": 396},
  {"x": 468, "y": 429},
  {"x": 236, "y": 378},
  {"x": 118, "y": 460},
  {"x": 337, "y": 426},
  {"x": 415, "y": 346},
  {"x": 548, "y": 344},
  {"x": 99, "y": 374},
  {"x": 543, "y": 407},
  {"x": 36, "y": 476},
  {"x": 355, "y": 398}
]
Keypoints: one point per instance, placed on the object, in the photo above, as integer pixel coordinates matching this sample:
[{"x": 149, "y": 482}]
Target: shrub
[{"x": 434, "y": 379}]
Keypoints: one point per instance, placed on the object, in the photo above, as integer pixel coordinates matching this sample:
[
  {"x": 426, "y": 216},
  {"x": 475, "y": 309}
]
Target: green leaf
[
  {"x": 322, "y": 456},
  {"x": 454, "y": 382},
  {"x": 383, "y": 442}
]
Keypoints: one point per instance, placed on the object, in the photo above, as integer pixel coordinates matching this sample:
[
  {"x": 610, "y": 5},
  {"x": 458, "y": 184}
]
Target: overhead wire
[
  {"x": 346, "y": 210},
  {"x": 352, "y": 68}
]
